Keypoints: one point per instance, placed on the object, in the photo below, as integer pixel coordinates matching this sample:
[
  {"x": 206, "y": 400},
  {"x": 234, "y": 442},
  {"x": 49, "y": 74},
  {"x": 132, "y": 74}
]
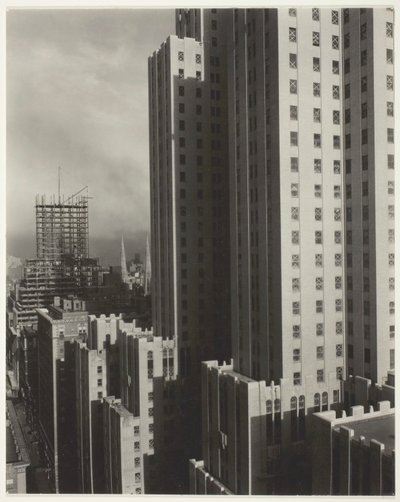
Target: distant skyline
[{"x": 77, "y": 98}]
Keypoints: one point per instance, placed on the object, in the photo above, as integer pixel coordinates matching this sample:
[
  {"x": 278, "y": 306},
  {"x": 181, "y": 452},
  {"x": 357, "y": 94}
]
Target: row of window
[
  {"x": 319, "y": 352},
  {"x": 318, "y": 237},
  {"x": 316, "y": 64},
  {"x": 317, "y": 139},
  {"x": 181, "y": 57},
  {"x": 294, "y": 165},
  {"x": 316, "y": 114},
  {"x": 316, "y": 89},
  {"x": 319, "y": 306},
  {"x": 318, "y": 191},
  {"x": 319, "y": 329},
  {"x": 315, "y": 14},
  {"x": 318, "y": 260},
  {"x": 364, "y": 163},
  {"x": 315, "y": 38},
  {"x": 319, "y": 283},
  {"x": 364, "y": 137},
  {"x": 320, "y": 375}
]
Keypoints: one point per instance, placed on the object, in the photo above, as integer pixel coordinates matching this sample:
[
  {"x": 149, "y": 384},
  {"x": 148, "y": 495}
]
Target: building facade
[
  {"x": 354, "y": 455},
  {"x": 368, "y": 151}
]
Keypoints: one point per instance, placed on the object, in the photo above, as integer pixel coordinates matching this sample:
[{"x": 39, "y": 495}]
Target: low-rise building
[
  {"x": 354, "y": 455},
  {"x": 17, "y": 456}
]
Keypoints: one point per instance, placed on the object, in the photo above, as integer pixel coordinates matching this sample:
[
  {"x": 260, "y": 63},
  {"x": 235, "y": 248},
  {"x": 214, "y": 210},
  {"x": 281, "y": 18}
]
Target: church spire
[{"x": 124, "y": 271}]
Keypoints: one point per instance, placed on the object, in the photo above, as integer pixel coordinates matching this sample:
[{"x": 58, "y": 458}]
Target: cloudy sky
[{"x": 77, "y": 98}]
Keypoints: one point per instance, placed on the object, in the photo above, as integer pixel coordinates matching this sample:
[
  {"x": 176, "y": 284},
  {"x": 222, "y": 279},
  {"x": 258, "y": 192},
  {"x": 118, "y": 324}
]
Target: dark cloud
[{"x": 77, "y": 97}]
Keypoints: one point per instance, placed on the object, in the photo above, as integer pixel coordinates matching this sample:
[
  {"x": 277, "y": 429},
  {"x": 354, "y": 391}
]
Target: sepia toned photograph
[{"x": 200, "y": 250}]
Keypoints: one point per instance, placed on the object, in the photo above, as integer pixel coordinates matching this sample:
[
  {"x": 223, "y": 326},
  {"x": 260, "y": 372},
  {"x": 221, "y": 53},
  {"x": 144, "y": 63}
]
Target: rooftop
[{"x": 379, "y": 428}]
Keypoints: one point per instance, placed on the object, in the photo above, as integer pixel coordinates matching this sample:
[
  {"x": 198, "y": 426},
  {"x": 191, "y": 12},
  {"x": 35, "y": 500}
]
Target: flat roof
[{"x": 379, "y": 428}]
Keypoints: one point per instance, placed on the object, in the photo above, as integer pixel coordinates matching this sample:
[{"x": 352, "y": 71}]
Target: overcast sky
[{"x": 77, "y": 98}]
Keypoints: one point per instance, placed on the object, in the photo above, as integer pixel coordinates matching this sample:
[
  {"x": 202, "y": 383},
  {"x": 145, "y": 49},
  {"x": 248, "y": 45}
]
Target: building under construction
[
  {"x": 62, "y": 229},
  {"x": 62, "y": 265}
]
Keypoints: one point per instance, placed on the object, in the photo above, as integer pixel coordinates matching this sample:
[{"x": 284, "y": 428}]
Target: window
[
  {"x": 295, "y": 260},
  {"x": 293, "y": 112},
  {"x": 297, "y": 378},
  {"x": 180, "y": 73},
  {"x": 317, "y": 166},
  {"x": 319, "y": 283},
  {"x": 136, "y": 446},
  {"x": 339, "y": 328},
  {"x": 347, "y": 65},
  {"x": 364, "y": 110},
  {"x": 180, "y": 56},
  {"x": 181, "y": 108},
  {"x": 315, "y": 38},
  {"x": 295, "y": 237},
  {"x": 335, "y": 17},
  {"x": 389, "y": 56},
  {"x": 391, "y": 308},
  {"x": 181, "y": 90},
  {"x": 317, "y": 114},
  {"x": 295, "y": 190},
  {"x": 336, "y": 166},
  {"x": 316, "y": 89},
  {"x": 338, "y": 282},
  {"x": 293, "y": 86},
  {"x": 364, "y": 84},
  {"x": 390, "y": 135},
  {"x": 198, "y": 75},
  {"x": 320, "y": 375},
  {"x": 315, "y": 14},
  {"x": 389, "y": 82},
  {"x": 293, "y": 138},
  {"x": 391, "y": 259},
  {"x": 363, "y": 31},
  {"x": 292, "y": 12},
  {"x": 319, "y": 306},
  {"x": 364, "y": 162},
  {"x": 335, "y": 396},
  {"x": 99, "y": 382},
  {"x": 364, "y": 136},
  {"x": 335, "y": 67},
  {"x": 337, "y": 212},
  {"x": 347, "y": 91},
  {"x": 317, "y": 191},
  {"x": 392, "y": 359},
  {"x": 390, "y": 187},
  {"x": 136, "y": 430},
  {"x": 338, "y": 260},
  {"x": 335, "y": 42},
  {"x": 338, "y": 237},
  {"x": 364, "y": 57},
  {"x": 336, "y": 116},
  {"x": 99, "y": 369},
  {"x": 296, "y": 354},
  {"x": 320, "y": 352},
  {"x": 296, "y": 331},
  {"x": 346, "y": 40},
  {"x": 338, "y": 305},
  {"x": 336, "y": 191},
  {"x": 296, "y": 308},
  {"x": 318, "y": 214},
  {"x": 292, "y": 35},
  {"x": 389, "y": 108},
  {"x": 347, "y": 141},
  {"x": 292, "y": 60},
  {"x": 316, "y": 64},
  {"x": 319, "y": 329},
  {"x": 336, "y": 142},
  {"x": 318, "y": 237},
  {"x": 181, "y": 125},
  {"x": 294, "y": 163},
  {"x": 391, "y": 283},
  {"x": 317, "y": 402},
  {"x": 339, "y": 372},
  {"x": 391, "y": 331},
  {"x": 335, "y": 92},
  {"x": 389, "y": 30},
  {"x": 99, "y": 395},
  {"x": 390, "y": 161},
  {"x": 318, "y": 260},
  {"x": 295, "y": 213},
  {"x": 317, "y": 140}
]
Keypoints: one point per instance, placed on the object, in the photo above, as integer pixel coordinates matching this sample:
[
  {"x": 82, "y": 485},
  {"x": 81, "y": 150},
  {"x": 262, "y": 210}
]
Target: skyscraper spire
[
  {"x": 147, "y": 264},
  {"x": 124, "y": 271}
]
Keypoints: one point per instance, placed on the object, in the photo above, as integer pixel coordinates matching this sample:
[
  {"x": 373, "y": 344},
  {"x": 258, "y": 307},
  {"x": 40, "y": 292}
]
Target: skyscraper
[
  {"x": 368, "y": 151},
  {"x": 286, "y": 80},
  {"x": 189, "y": 220}
]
